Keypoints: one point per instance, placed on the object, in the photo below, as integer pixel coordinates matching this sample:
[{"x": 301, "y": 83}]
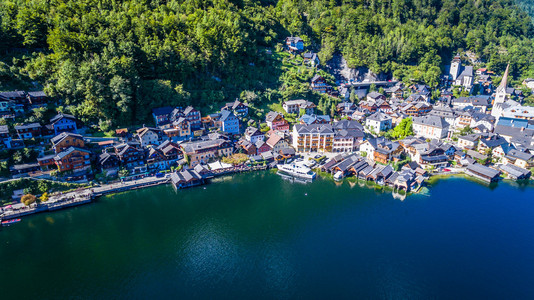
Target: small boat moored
[{"x": 9, "y": 222}]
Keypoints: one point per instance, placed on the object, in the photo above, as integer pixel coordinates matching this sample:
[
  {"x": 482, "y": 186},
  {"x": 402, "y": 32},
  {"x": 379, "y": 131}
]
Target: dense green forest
[
  {"x": 527, "y": 6},
  {"x": 112, "y": 61}
]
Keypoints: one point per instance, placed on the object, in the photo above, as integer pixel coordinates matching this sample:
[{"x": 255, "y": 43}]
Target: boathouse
[
  {"x": 483, "y": 173},
  {"x": 186, "y": 178},
  {"x": 515, "y": 172}
]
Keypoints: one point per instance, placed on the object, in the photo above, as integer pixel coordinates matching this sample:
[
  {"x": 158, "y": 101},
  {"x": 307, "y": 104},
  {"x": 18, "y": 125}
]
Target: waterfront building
[
  {"x": 482, "y": 172},
  {"x": 313, "y": 138},
  {"x": 381, "y": 149},
  {"x": 520, "y": 158},
  {"x": 515, "y": 172},
  {"x": 186, "y": 178},
  {"x": 204, "y": 150}
]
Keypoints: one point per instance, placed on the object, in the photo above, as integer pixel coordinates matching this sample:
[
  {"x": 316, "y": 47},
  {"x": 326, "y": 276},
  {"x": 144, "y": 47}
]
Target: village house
[
  {"x": 294, "y": 44},
  {"x": 66, "y": 140},
  {"x": 276, "y": 143},
  {"x": 47, "y": 162},
  {"x": 479, "y": 103},
  {"x": 416, "y": 109},
  {"x": 375, "y": 96},
  {"x": 253, "y": 135},
  {"x": 311, "y": 59},
  {"x": 378, "y": 122},
  {"x": 381, "y": 149},
  {"x": 189, "y": 113},
  {"x": 150, "y": 136},
  {"x": 229, "y": 122},
  {"x": 368, "y": 106},
  {"x": 109, "y": 163},
  {"x": 318, "y": 84},
  {"x": 262, "y": 147},
  {"x": 519, "y": 158},
  {"x": 276, "y": 121},
  {"x": 180, "y": 130},
  {"x": 346, "y": 108},
  {"x": 161, "y": 116},
  {"x": 237, "y": 107},
  {"x": 204, "y": 150},
  {"x": 294, "y": 106},
  {"x": 314, "y": 119},
  {"x": 73, "y": 159},
  {"x": 28, "y": 131},
  {"x": 348, "y": 135},
  {"x": 468, "y": 141},
  {"x": 489, "y": 142},
  {"x": 246, "y": 147},
  {"x": 173, "y": 152},
  {"x": 313, "y": 138},
  {"x": 445, "y": 112},
  {"x": 431, "y": 127},
  {"x": 130, "y": 155},
  {"x": 37, "y": 98},
  {"x": 64, "y": 123},
  {"x": 155, "y": 159}
]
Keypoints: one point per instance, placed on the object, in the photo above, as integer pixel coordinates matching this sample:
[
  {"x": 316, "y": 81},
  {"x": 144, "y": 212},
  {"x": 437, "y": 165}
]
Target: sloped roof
[{"x": 430, "y": 120}]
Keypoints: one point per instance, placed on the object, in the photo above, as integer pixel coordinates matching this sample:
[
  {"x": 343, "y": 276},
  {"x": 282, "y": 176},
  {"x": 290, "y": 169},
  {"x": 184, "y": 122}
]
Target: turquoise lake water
[{"x": 261, "y": 237}]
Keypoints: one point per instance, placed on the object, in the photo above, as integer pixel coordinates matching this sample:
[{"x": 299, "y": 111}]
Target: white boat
[{"x": 297, "y": 171}]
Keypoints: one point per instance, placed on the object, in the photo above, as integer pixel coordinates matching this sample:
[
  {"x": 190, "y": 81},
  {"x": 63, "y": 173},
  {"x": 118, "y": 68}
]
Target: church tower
[
  {"x": 456, "y": 65},
  {"x": 500, "y": 95}
]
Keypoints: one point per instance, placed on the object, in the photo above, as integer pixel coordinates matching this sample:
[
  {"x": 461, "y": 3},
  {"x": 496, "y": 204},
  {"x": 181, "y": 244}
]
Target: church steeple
[{"x": 504, "y": 81}]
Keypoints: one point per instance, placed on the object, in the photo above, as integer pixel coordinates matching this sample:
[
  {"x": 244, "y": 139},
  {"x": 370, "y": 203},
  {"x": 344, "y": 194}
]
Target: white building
[
  {"x": 379, "y": 121},
  {"x": 294, "y": 106},
  {"x": 430, "y": 127}
]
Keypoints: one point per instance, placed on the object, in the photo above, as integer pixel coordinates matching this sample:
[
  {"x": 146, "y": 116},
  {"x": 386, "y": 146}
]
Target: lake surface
[{"x": 259, "y": 236}]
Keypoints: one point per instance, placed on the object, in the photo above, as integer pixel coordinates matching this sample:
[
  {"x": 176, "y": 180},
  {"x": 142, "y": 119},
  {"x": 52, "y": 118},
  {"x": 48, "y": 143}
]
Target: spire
[{"x": 504, "y": 80}]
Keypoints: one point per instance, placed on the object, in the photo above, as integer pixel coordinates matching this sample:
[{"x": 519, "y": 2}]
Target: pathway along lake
[{"x": 258, "y": 236}]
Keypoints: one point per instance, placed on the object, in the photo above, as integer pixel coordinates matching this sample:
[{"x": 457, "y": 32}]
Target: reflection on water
[{"x": 259, "y": 236}]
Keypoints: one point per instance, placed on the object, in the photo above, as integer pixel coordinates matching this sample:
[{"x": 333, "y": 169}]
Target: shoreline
[{"x": 90, "y": 194}]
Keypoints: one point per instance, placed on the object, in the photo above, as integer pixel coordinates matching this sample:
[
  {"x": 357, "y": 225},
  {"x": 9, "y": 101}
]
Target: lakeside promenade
[
  {"x": 79, "y": 197},
  {"x": 87, "y": 195}
]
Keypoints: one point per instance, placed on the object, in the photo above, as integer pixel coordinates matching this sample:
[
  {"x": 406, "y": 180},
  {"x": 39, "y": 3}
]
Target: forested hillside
[
  {"x": 115, "y": 60},
  {"x": 527, "y": 6}
]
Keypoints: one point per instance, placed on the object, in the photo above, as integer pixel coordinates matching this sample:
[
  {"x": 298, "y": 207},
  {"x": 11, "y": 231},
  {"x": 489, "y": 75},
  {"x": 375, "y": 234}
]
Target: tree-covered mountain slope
[{"x": 115, "y": 60}]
